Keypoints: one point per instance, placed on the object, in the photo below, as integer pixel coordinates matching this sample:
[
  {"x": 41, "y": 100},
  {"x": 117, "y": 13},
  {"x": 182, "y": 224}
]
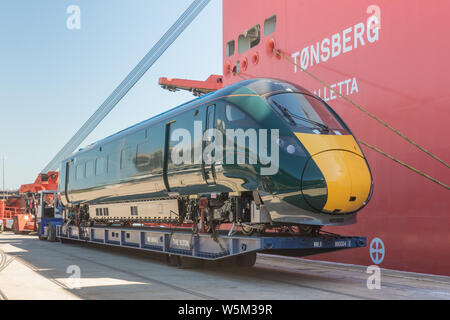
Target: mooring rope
[{"x": 404, "y": 164}]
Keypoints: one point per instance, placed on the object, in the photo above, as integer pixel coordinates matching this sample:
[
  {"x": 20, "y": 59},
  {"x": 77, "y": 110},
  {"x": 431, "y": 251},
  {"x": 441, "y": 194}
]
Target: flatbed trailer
[{"x": 183, "y": 247}]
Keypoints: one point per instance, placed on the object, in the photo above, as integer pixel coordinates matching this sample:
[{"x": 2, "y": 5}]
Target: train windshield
[{"x": 307, "y": 114}]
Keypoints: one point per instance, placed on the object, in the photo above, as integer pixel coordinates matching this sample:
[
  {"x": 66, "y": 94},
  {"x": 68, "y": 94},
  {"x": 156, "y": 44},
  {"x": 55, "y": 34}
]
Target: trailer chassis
[{"x": 184, "y": 244}]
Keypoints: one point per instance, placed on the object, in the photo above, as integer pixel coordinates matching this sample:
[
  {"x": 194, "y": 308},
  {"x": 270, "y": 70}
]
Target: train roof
[{"x": 261, "y": 86}]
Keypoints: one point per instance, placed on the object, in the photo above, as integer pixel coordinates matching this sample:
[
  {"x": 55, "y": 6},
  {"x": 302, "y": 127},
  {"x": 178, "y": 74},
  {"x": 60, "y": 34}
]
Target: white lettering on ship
[
  {"x": 348, "y": 40},
  {"x": 345, "y": 88}
]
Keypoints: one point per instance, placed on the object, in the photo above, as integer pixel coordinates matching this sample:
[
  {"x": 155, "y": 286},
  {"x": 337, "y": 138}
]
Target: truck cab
[{"x": 48, "y": 214}]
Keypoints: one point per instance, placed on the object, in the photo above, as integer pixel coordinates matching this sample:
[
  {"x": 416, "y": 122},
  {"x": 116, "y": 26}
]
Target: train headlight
[{"x": 290, "y": 145}]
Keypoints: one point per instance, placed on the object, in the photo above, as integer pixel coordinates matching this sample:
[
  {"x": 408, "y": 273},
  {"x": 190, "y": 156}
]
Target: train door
[
  {"x": 167, "y": 150},
  {"x": 209, "y": 174},
  {"x": 66, "y": 182}
]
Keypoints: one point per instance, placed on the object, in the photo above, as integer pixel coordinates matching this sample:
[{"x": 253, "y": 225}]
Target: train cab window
[
  {"x": 270, "y": 25},
  {"x": 307, "y": 113},
  {"x": 100, "y": 166},
  {"x": 230, "y": 48},
  {"x": 233, "y": 114},
  {"x": 80, "y": 171},
  {"x": 143, "y": 151},
  {"x": 90, "y": 169},
  {"x": 249, "y": 39},
  {"x": 127, "y": 157}
]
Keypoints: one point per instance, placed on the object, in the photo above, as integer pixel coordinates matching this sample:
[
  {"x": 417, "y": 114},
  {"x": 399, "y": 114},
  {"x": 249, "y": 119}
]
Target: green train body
[{"x": 320, "y": 177}]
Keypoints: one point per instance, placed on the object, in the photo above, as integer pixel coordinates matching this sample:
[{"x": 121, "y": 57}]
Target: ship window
[
  {"x": 90, "y": 170},
  {"x": 270, "y": 25},
  {"x": 230, "y": 48},
  {"x": 143, "y": 154},
  {"x": 99, "y": 166},
  {"x": 249, "y": 39},
  {"x": 126, "y": 158},
  {"x": 80, "y": 171},
  {"x": 233, "y": 114}
]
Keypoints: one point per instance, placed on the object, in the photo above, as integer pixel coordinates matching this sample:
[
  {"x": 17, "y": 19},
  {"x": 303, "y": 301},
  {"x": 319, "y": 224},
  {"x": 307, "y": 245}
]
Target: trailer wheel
[
  {"x": 188, "y": 263},
  {"x": 39, "y": 232},
  {"x": 246, "y": 260},
  {"x": 16, "y": 226},
  {"x": 229, "y": 262},
  {"x": 51, "y": 233},
  {"x": 172, "y": 261}
]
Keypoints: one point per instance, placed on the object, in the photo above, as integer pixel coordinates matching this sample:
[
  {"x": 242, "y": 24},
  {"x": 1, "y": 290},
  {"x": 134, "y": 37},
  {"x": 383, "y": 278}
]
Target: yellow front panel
[
  {"x": 344, "y": 168},
  {"x": 316, "y": 143},
  {"x": 339, "y": 185},
  {"x": 361, "y": 180}
]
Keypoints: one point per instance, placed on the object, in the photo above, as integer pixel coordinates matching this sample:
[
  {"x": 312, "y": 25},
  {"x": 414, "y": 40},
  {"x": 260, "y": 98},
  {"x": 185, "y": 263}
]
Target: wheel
[
  {"x": 307, "y": 230},
  {"x": 39, "y": 232},
  {"x": 51, "y": 233},
  {"x": 230, "y": 262},
  {"x": 246, "y": 230},
  {"x": 246, "y": 260},
  {"x": 16, "y": 226},
  {"x": 172, "y": 261},
  {"x": 188, "y": 263}
]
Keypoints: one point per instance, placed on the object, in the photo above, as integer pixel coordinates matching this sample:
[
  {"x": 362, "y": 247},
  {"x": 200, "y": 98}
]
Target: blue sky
[{"x": 52, "y": 79}]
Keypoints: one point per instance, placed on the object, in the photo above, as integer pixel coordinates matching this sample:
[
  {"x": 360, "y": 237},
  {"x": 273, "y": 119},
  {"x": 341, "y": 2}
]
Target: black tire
[
  {"x": 51, "y": 233},
  {"x": 172, "y": 260},
  {"x": 246, "y": 260},
  {"x": 188, "y": 263},
  {"x": 39, "y": 234},
  {"x": 230, "y": 262},
  {"x": 1, "y": 228}
]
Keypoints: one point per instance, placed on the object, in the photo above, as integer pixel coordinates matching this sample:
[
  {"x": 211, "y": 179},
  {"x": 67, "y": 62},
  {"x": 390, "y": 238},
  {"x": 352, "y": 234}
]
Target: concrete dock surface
[{"x": 34, "y": 269}]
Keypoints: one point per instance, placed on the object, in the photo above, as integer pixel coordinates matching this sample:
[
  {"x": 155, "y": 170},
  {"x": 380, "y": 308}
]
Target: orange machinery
[{"x": 18, "y": 212}]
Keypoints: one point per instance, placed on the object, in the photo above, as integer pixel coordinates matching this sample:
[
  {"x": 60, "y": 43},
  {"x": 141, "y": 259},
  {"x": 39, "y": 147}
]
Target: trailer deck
[{"x": 206, "y": 246}]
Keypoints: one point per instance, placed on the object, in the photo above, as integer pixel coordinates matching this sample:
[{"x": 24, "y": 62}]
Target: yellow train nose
[
  {"x": 343, "y": 167},
  {"x": 347, "y": 177}
]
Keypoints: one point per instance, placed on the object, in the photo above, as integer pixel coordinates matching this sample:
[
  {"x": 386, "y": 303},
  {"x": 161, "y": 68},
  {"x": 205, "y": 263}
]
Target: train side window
[
  {"x": 126, "y": 158},
  {"x": 99, "y": 166},
  {"x": 233, "y": 114},
  {"x": 90, "y": 169},
  {"x": 249, "y": 39},
  {"x": 80, "y": 171},
  {"x": 270, "y": 25},
  {"x": 143, "y": 154},
  {"x": 230, "y": 48}
]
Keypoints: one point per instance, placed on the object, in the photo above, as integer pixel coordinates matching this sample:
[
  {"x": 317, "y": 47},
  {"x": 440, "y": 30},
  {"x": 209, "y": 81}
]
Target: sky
[{"x": 52, "y": 79}]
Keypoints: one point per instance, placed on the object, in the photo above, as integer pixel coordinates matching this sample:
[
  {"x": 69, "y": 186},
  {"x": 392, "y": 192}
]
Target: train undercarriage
[{"x": 244, "y": 211}]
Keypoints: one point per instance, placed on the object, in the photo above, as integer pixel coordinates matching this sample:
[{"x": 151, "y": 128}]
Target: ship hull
[{"x": 392, "y": 60}]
